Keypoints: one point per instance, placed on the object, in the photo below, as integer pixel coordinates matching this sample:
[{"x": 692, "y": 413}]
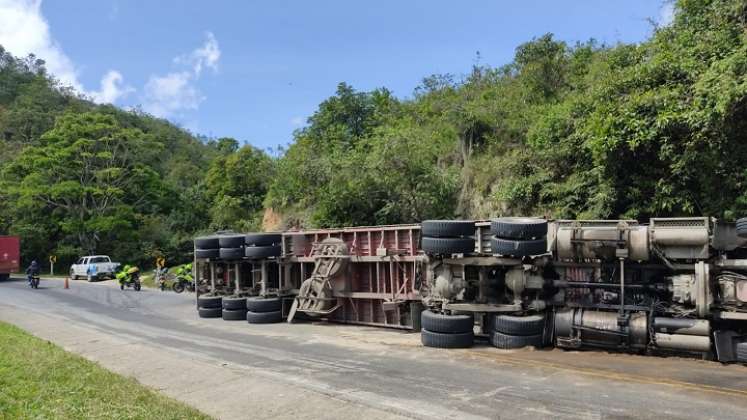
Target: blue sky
[{"x": 256, "y": 70}]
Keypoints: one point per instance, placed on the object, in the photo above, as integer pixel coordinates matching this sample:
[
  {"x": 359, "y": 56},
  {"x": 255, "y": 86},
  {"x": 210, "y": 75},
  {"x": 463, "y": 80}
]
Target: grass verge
[
  {"x": 148, "y": 280},
  {"x": 40, "y": 380}
]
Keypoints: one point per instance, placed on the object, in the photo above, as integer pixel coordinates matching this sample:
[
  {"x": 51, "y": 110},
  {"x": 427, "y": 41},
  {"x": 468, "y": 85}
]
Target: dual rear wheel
[
  {"x": 447, "y": 237},
  {"x": 505, "y": 331},
  {"x": 447, "y": 331}
]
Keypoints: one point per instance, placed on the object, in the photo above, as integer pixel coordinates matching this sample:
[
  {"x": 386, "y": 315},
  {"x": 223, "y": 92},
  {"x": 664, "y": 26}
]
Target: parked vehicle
[
  {"x": 129, "y": 277},
  {"x": 180, "y": 284},
  {"x": 101, "y": 265},
  {"x": 10, "y": 256},
  {"x": 183, "y": 279}
]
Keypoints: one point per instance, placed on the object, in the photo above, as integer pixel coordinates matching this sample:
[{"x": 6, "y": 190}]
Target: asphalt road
[{"x": 307, "y": 370}]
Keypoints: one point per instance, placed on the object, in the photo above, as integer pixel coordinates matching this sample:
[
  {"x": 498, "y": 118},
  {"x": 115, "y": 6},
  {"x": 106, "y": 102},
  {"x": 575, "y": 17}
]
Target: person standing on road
[{"x": 32, "y": 270}]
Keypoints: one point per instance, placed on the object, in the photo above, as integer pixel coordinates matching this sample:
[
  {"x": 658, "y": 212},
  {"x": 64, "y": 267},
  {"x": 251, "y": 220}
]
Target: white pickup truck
[{"x": 102, "y": 264}]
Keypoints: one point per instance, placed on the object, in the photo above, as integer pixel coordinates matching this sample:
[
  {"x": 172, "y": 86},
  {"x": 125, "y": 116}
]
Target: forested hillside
[
  {"x": 78, "y": 178},
  {"x": 565, "y": 131},
  {"x": 572, "y": 131}
]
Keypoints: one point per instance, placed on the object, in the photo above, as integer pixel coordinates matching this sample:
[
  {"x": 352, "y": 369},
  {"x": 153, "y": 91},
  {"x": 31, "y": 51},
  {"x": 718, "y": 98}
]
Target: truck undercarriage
[{"x": 674, "y": 285}]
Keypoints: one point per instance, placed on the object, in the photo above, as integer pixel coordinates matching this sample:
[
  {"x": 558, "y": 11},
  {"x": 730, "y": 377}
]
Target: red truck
[{"x": 10, "y": 256}]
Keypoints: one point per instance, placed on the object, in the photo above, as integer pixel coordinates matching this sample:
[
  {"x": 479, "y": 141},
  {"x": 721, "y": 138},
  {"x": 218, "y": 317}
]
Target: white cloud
[
  {"x": 166, "y": 96},
  {"x": 169, "y": 95},
  {"x": 207, "y": 55},
  {"x": 24, "y": 31},
  {"x": 112, "y": 88},
  {"x": 666, "y": 13}
]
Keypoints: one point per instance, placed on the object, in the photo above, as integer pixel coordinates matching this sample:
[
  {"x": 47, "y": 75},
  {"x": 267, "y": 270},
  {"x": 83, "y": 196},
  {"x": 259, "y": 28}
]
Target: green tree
[
  {"x": 237, "y": 184},
  {"x": 88, "y": 174}
]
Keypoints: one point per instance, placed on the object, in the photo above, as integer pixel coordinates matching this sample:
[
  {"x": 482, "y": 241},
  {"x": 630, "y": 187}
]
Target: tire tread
[
  {"x": 447, "y": 341},
  {"x": 264, "y": 317},
  {"x": 447, "y": 246},
  {"x": 262, "y": 304},
  {"x": 447, "y": 228},
  {"x": 507, "y": 341},
  {"x": 519, "y": 325},
  {"x": 446, "y": 324},
  {"x": 210, "y": 312}
]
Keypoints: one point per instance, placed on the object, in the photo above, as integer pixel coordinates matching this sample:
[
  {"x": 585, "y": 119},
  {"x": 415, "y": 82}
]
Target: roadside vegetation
[
  {"x": 40, "y": 380},
  {"x": 581, "y": 130}
]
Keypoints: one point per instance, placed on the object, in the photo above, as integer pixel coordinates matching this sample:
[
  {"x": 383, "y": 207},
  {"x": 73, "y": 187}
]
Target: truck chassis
[{"x": 674, "y": 285}]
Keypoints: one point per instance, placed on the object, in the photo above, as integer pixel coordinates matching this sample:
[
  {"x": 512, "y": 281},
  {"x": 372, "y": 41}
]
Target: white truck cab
[{"x": 101, "y": 265}]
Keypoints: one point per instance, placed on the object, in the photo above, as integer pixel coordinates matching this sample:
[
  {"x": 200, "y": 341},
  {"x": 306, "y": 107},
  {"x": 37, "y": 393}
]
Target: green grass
[
  {"x": 149, "y": 280},
  {"x": 39, "y": 380}
]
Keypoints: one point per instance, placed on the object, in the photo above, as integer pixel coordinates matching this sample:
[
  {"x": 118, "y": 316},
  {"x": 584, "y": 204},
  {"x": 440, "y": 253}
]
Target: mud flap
[{"x": 726, "y": 344}]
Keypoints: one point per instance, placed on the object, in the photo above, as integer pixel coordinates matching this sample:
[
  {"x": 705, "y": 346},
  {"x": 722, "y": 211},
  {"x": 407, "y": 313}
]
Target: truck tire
[
  {"x": 234, "y": 303},
  {"x": 233, "y": 314},
  {"x": 447, "y": 228},
  {"x": 230, "y": 241},
  {"x": 207, "y": 253},
  {"x": 207, "y": 242},
  {"x": 210, "y": 312},
  {"x": 519, "y": 325},
  {"x": 447, "y": 246},
  {"x": 263, "y": 239},
  {"x": 447, "y": 341},
  {"x": 742, "y": 227},
  {"x": 262, "y": 251},
  {"x": 264, "y": 317},
  {"x": 446, "y": 324},
  {"x": 231, "y": 253},
  {"x": 525, "y": 248},
  {"x": 506, "y": 341},
  {"x": 519, "y": 228},
  {"x": 261, "y": 304},
  {"x": 209, "y": 302}
]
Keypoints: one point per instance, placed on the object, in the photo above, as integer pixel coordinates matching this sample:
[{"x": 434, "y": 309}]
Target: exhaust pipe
[
  {"x": 683, "y": 342},
  {"x": 682, "y": 326}
]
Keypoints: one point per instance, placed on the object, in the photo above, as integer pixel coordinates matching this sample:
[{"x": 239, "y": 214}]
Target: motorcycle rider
[
  {"x": 184, "y": 271},
  {"x": 31, "y": 271},
  {"x": 184, "y": 278}
]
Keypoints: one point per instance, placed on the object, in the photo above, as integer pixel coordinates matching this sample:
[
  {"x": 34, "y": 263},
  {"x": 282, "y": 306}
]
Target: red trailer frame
[{"x": 380, "y": 286}]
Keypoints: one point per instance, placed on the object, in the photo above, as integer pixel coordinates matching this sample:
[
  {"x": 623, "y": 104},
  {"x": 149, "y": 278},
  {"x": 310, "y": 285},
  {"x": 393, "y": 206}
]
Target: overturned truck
[{"x": 673, "y": 285}]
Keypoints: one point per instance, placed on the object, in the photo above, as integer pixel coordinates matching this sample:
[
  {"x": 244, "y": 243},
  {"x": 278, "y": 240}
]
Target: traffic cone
[{"x": 67, "y": 284}]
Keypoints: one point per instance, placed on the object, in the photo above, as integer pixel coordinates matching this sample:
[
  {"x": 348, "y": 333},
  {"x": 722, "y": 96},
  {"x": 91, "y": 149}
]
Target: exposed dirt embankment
[{"x": 271, "y": 221}]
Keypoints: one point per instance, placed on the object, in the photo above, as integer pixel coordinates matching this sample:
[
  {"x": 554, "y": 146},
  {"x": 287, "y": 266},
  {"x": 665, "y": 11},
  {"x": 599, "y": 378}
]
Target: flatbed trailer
[{"x": 674, "y": 285}]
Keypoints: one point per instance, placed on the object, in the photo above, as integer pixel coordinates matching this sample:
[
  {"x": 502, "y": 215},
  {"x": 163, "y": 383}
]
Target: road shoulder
[{"x": 217, "y": 389}]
